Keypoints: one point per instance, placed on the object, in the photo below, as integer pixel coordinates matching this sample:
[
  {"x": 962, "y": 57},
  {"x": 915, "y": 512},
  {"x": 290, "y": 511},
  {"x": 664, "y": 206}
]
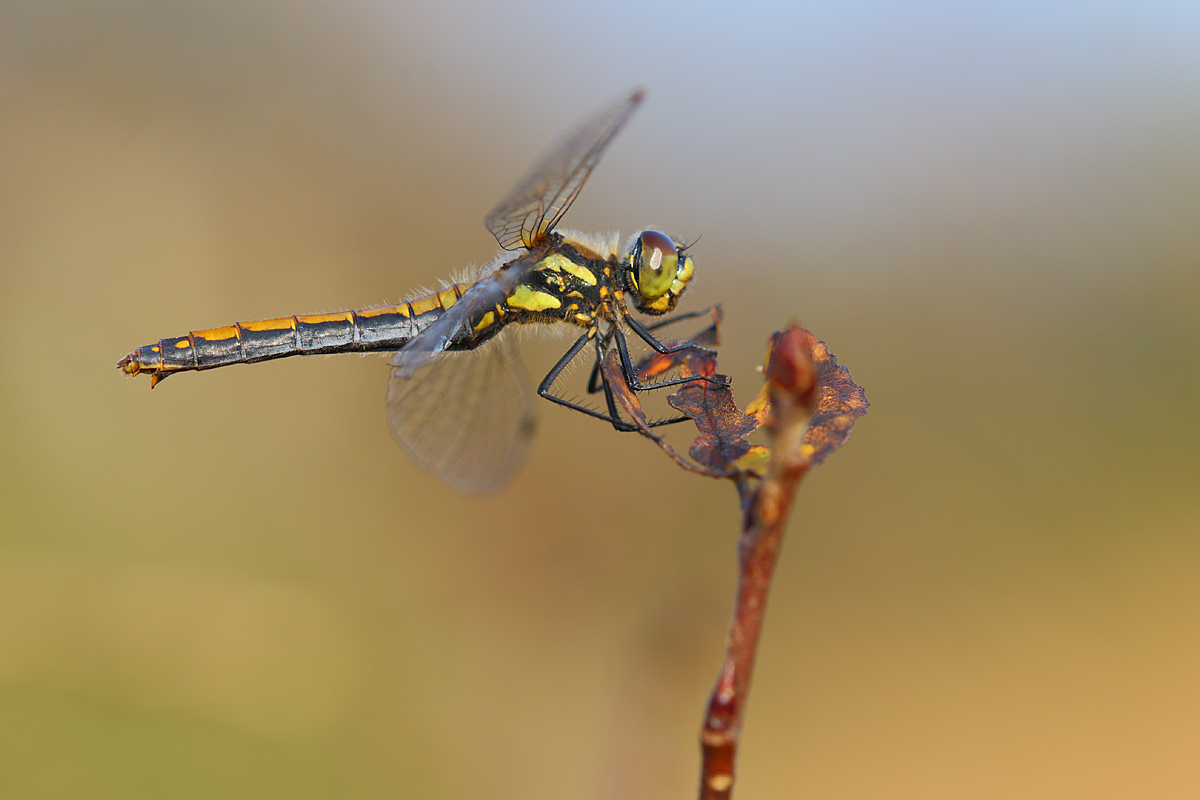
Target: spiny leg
[
  {"x": 643, "y": 333},
  {"x": 631, "y": 374},
  {"x": 543, "y": 390},
  {"x": 613, "y": 417}
]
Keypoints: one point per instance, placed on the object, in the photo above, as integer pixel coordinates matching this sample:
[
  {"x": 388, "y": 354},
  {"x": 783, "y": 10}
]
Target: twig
[
  {"x": 793, "y": 389},
  {"x": 808, "y": 406}
]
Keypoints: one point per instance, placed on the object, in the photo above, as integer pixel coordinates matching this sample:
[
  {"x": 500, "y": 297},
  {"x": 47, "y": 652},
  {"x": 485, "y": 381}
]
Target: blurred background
[{"x": 237, "y": 585}]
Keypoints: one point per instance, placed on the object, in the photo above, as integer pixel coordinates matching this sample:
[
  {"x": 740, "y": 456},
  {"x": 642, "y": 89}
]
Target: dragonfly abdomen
[{"x": 360, "y": 331}]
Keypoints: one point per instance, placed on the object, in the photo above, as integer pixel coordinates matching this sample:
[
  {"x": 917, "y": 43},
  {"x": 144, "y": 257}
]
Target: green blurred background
[{"x": 237, "y": 586}]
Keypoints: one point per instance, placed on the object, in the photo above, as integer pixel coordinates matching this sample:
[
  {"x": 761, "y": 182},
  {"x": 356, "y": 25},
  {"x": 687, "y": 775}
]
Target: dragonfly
[{"x": 458, "y": 398}]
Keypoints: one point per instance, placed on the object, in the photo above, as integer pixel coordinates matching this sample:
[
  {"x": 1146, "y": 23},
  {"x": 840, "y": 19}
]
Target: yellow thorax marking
[
  {"x": 488, "y": 319},
  {"x": 528, "y": 299},
  {"x": 559, "y": 262}
]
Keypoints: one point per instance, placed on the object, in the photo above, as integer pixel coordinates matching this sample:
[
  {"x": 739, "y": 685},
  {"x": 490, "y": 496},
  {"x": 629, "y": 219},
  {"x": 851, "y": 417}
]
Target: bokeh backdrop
[{"x": 237, "y": 586}]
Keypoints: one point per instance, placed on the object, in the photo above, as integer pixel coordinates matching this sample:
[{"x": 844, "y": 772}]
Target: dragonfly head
[{"x": 657, "y": 272}]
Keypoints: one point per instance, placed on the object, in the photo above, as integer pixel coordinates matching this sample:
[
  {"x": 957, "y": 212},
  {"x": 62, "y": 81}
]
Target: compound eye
[{"x": 655, "y": 262}]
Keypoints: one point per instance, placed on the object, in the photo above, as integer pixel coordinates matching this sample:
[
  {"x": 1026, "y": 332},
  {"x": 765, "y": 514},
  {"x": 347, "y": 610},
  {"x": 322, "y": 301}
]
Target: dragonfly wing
[
  {"x": 465, "y": 416},
  {"x": 483, "y": 295},
  {"x": 539, "y": 200}
]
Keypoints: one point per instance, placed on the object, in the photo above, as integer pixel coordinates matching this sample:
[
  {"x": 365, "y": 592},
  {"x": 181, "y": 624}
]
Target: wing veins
[{"x": 538, "y": 201}]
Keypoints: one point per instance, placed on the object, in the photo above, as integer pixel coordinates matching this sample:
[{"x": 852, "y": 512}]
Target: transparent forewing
[
  {"x": 539, "y": 200},
  {"x": 484, "y": 295},
  {"x": 465, "y": 416}
]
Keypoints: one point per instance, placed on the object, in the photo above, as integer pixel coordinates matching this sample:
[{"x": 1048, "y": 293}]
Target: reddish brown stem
[
  {"x": 792, "y": 383},
  {"x": 804, "y": 383},
  {"x": 759, "y": 552}
]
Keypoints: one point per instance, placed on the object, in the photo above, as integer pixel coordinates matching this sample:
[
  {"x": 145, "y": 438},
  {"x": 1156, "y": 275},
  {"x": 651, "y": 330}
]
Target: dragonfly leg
[
  {"x": 613, "y": 417},
  {"x": 631, "y": 374},
  {"x": 594, "y": 378},
  {"x": 649, "y": 338},
  {"x": 544, "y": 388},
  {"x": 680, "y": 317}
]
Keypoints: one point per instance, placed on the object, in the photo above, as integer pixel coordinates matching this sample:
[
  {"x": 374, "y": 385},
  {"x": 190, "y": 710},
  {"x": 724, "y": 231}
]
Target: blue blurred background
[{"x": 237, "y": 586}]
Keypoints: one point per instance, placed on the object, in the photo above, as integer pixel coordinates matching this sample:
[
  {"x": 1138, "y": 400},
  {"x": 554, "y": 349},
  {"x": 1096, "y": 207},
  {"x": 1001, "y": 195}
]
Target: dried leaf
[
  {"x": 627, "y": 399},
  {"x": 842, "y": 402},
  {"x": 722, "y": 425},
  {"x": 690, "y": 361},
  {"x": 798, "y": 370}
]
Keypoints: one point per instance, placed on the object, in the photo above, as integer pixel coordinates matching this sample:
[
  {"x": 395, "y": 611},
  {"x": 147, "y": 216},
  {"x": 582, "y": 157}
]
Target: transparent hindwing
[{"x": 467, "y": 416}]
